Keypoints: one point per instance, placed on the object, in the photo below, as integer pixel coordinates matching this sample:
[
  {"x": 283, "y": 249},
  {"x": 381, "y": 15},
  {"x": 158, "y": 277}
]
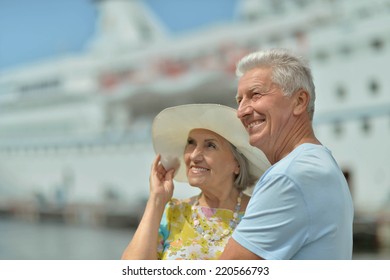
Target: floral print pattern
[{"x": 179, "y": 239}]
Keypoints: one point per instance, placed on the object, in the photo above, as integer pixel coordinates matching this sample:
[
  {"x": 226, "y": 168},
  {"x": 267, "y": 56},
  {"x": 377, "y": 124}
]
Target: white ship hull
[{"x": 44, "y": 150}]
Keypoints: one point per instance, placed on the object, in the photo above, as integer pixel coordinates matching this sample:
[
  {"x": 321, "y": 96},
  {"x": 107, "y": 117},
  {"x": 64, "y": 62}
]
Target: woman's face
[{"x": 209, "y": 160}]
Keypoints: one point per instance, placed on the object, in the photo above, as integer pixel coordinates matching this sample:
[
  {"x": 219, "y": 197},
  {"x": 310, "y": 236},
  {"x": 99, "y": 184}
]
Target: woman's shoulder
[
  {"x": 176, "y": 203},
  {"x": 189, "y": 200},
  {"x": 179, "y": 209}
]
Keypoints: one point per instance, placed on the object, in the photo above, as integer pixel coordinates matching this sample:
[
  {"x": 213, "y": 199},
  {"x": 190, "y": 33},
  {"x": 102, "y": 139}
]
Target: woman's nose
[{"x": 197, "y": 154}]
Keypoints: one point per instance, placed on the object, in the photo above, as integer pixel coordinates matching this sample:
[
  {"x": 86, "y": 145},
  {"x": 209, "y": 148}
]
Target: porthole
[
  {"x": 341, "y": 92},
  {"x": 377, "y": 44},
  {"x": 337, "y": 128},
  {"x": 374, "y": 87},
  {"x": 345, "y": 50},
  {"x": 366, "y": 125},
  {"x": 322, "y": 55}
]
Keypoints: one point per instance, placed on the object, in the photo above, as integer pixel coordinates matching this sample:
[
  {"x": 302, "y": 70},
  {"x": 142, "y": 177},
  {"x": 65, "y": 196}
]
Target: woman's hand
[
  {"x": 143, "y": 245},
  {"x": 161, "y": 181}
]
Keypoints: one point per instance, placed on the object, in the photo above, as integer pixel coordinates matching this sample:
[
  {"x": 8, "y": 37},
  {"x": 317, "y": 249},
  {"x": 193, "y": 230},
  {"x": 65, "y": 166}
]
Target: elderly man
[{"x": 301, "y": 207}]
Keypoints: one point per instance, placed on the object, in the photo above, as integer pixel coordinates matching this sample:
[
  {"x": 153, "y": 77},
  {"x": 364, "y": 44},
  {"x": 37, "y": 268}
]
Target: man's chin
[{"x": 255, "y": 141}]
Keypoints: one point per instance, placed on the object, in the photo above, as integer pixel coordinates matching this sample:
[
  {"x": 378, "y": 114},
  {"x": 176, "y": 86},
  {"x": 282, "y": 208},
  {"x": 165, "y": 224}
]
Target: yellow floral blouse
[{"x": 180, "y": 239}]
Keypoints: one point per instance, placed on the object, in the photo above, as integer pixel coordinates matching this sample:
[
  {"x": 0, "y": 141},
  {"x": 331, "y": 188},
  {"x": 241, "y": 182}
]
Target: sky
[{"x": 32, "y": 30}]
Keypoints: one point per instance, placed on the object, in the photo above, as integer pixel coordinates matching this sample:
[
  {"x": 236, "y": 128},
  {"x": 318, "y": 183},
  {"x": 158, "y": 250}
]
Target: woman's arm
[{"x": 143, "y": 245}]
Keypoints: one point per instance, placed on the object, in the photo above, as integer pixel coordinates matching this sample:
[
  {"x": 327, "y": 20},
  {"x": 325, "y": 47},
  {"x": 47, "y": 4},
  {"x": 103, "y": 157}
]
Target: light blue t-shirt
[{"x": 301, "y": 208}]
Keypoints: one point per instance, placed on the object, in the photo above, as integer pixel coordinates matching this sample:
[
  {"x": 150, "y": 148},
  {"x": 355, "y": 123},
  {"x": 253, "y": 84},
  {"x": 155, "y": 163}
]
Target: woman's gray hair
[
  {"x": 243, "y": 179},
  {"x": 291, "y": 72}
]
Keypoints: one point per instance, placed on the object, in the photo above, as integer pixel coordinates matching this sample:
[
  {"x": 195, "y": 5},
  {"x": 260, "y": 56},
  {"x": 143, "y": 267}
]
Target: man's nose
[{"x": 243, "y": 109}]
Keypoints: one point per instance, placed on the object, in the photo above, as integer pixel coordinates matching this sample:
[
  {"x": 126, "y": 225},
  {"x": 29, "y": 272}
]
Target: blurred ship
[{"x": 76, "y": 129}]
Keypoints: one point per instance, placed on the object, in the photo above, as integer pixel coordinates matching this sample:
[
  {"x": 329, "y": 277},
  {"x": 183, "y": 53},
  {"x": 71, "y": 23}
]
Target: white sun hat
[{"x": 171, "y": 127}]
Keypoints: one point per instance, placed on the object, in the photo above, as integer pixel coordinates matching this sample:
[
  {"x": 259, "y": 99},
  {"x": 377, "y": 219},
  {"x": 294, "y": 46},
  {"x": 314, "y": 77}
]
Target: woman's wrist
[{"x": 157, "y": 201}]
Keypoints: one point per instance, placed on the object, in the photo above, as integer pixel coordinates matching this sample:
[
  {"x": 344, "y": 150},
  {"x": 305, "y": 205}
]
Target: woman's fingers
[
  {"x": 160, "y": 173},
  {"x": 169, "y": 175},
  {"x": 156, "y": 162}
]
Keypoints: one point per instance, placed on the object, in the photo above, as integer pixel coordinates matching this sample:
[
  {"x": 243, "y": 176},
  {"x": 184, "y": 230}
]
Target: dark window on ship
[
  {"x": 341, "y": 92},
  {"x": 366, "y": 125},
  {"x": 345, "y": 50},
  {"x": 277, "y": 6},
  {"x": 374, "y": 87},
  {"x": 337, "y": 128},
  {"x": 44, "y": 85},
  {"x": 322, "y": 55},
  {"x": 363, "y": 13},
  {"x": 275, "y": 40},
  {"x": 302, "y": 3},
  {"x": 377, "y": 44}
]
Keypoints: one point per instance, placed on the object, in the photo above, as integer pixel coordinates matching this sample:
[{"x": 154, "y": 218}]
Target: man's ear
[{"x": 301, "y": 101}]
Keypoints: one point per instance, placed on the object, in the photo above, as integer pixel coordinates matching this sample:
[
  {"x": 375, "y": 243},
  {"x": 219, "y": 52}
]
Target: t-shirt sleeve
[{"x": 276, "y": 220}]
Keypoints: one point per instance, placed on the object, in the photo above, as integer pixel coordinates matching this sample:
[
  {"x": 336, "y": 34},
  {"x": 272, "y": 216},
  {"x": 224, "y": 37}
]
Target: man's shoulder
[{"x": 306, "y": 155}]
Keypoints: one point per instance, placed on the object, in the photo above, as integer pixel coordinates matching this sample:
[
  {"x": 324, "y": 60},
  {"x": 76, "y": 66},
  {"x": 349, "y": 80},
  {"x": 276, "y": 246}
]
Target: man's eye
[{"x": 257, "y": 94}]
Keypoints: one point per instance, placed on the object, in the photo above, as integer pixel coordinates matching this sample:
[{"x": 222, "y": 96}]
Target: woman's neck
[{"x": 225, "y": 200}]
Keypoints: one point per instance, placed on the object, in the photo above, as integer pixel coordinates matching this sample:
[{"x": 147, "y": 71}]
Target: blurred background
[{"x": 81, "y": 81}]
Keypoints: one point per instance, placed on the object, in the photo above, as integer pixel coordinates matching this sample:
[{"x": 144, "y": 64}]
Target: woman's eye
[{"x": 211, "y": 145}]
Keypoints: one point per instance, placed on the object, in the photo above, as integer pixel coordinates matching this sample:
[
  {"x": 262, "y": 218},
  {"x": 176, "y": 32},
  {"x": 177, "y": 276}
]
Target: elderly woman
[{"x": 206, "y": 146}]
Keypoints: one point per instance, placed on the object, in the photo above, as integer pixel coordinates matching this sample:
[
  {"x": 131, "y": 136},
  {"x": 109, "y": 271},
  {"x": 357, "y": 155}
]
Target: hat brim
[{"x": 171, "y": 127}]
